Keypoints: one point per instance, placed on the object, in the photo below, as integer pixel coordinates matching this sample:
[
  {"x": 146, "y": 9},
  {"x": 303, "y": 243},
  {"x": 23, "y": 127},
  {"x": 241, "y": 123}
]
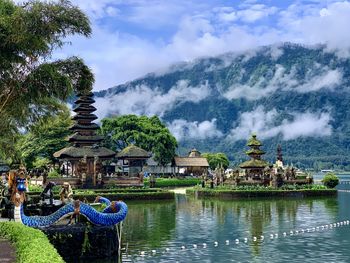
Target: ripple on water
[{"x": 167, "y": 226}]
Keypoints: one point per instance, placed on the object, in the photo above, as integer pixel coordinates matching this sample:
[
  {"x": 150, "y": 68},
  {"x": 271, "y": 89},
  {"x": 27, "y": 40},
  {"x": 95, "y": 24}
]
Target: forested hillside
[{"x": 288, "y": 94}]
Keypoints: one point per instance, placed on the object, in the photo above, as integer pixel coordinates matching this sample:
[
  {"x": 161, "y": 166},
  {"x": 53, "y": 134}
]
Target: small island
[{"x": 258, "y": 178}]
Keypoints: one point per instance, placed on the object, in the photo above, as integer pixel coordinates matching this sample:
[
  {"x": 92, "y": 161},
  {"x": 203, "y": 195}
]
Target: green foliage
[
  {"x": 330, "y": 180},
  {"x": 217, "y": 160},
  {"x": 53, "y": 173},
  {"x": 45, "y": 138},
  {"x": 147, "y": 133},
  {"x": 31, "y": 244},
  {"x": 41, "y": 162},
  {"x": 174, "y": 182},
  {"x": 32, "y": 86},
  {"x": 35, "y": 188},
  {"x": 90, "y": 197}
]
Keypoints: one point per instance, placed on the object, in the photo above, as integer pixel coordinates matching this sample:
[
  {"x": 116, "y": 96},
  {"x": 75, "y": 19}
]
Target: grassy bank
[
  {"x": 254, "y": 193},
  {"x": 32, "y": 245}
]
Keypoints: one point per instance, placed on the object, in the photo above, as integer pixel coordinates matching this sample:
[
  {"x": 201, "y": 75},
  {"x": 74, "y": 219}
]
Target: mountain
[{"x": 287, "y": 94}]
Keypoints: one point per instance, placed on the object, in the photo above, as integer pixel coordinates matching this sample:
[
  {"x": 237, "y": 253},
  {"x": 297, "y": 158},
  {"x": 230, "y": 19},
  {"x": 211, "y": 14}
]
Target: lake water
[{"x": 165, "y": 227}]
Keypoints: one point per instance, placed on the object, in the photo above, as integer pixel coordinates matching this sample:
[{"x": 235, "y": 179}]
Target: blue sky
[{"x": 134, "y": 37}]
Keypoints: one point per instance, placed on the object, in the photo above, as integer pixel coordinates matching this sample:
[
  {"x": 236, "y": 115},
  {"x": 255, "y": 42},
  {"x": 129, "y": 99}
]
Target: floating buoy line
[{"x": 245, "y": 240}]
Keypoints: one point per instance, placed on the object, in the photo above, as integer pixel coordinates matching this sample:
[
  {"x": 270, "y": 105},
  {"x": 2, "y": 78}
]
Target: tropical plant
[
  {"x": 41, "y": 162},
  {"x": 330, "y": 180},
  {"x": 32, "y": 85},
  {"x": 44, "y": 138},
  {"x": 217, "y": 160}
]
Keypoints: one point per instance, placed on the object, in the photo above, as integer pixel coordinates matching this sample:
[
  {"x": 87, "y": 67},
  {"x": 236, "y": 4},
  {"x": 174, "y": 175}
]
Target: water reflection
[
  {"x": 188, "y": 221},
  {"x": 149, "y": 223}
]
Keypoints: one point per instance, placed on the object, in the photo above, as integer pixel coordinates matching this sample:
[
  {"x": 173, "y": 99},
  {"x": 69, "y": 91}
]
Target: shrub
[
  {"x": 90, "y": 196},
  {"x": 35, "y": 188},
  {"x": 53, "y": 173},
  {"x": 32, "y": 245},
  {"x": 330, "y": 180}
]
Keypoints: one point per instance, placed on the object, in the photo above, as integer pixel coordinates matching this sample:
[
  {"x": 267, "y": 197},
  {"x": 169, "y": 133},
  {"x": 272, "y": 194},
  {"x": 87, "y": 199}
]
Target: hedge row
[
  {"x": 260, "y": 193},
  {"x": 90, "y": 197},
  {"x": 109, "y": 190},
  {"x": 32, "y": 245},
  {"x": 174, "y": 182}
]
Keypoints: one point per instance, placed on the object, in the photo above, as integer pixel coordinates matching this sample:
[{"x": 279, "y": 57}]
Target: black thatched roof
[
  {"x": 90, "y": 126},
  {"x": 253, "y": 141},
  {"x": 83, "y": 138},
  {"x": 87, "y": 94},
  {"x": 80, "y": 152},
  {"x": 89, "y": 117},
  {"x": 254, "y": 163},
  {"x": 133, "y": 151},
  {"x": 84, "y": 108},
  {"x": 86, "y": 100}
]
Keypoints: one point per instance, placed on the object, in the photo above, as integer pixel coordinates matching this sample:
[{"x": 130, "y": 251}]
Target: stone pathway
[{"x": 7, "y": 252}]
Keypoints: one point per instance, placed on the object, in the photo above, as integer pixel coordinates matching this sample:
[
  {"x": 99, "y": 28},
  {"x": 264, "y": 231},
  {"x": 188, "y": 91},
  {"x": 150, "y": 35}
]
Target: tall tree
[
  {"x": 32, "y": 85},
  {"x": 44, "y": 138},
  {"x": 148, "y": 133},
  {"x": 217, "y": 160}
]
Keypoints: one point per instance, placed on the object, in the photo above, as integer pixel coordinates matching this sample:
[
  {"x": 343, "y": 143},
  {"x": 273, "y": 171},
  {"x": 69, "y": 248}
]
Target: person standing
[{"x": 152, "y": 181}]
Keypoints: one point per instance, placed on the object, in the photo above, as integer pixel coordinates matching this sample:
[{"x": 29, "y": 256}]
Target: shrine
[
  {"x": 83, "y": 158},
  {"x": 254, "y": 168}
]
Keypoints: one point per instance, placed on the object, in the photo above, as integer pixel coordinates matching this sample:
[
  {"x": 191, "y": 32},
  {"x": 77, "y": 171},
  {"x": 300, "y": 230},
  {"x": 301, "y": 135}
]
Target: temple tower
[
  {"x": 84, "y": 129},
  {"x": 279, "y": 158},
  {"x": 85, "y": 155},
  {"x": 279, "y": 153},
  {"x": 254, "y": 168}
]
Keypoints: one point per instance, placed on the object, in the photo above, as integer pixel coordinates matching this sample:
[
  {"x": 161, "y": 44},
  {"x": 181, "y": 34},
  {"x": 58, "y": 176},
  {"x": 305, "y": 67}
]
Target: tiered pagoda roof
[
  {"x": 279, "y": 153},
  {"x": 255, "y": 154},
  {"x": 84, "y": 140}
]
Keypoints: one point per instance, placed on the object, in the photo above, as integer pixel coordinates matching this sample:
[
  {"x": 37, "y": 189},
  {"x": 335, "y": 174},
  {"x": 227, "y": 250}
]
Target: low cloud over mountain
[{"x": 283, "y": 93}]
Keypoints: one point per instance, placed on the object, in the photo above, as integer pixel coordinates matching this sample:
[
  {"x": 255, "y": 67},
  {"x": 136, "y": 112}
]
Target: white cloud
[
  {"x": 142, "y": 36},
  {"x": 183, "y": 129},
  {"x": 287, "y": 81},
  {"x": 255, "y": 12},
  {"x": 329, "y": 79},
  {"x": 263, "y": 123},
  {"x": 318, "y": 25},
  {"x": 98, "y": 9},
  {"x": 142, "y": 100}
]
